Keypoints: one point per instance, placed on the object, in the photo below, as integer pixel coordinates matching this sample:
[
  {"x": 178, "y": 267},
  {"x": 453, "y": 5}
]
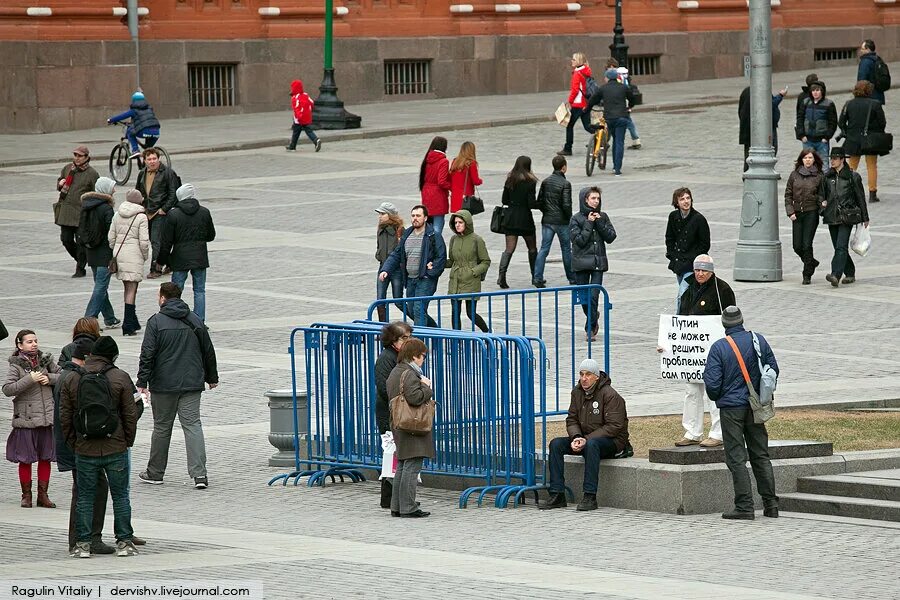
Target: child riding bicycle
[{"x": 143, "y": 124}]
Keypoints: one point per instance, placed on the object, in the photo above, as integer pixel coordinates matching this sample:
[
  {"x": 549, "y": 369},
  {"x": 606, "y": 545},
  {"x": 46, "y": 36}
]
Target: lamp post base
[
  {"x": 757, "y": 256},
  {"x": 329, "y": 111}
]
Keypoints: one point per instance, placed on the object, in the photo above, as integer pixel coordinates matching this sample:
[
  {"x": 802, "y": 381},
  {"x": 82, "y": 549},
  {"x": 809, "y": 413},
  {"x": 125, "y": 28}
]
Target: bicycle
[
  {"x": 598, "y": 147},
  {"x": 120, "y": 158}
]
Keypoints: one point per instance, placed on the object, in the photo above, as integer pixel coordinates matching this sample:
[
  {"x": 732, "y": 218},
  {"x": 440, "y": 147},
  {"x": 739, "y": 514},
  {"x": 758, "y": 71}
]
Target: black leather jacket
[
  {"x": 845, "y": 197},
  {"x": 555, "y": 199},
  {"x": 162, "y": 194}
]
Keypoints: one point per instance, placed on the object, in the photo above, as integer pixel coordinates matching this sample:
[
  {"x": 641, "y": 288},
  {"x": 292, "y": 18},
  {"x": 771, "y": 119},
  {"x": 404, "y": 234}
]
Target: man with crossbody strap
[{"x": 727, "y": 387}]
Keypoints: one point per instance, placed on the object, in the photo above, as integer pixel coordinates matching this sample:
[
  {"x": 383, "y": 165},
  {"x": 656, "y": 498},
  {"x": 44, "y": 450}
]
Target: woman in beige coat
[{"x": 129, "y": 239}]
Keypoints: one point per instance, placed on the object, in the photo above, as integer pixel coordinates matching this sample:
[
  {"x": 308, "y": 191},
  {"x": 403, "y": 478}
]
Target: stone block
[
  {"x": 676, "y": 44},
  {"x": 729, "y": 65},
  {"x": 778, "y": 449},
  {"x": 484, "y": 47},
  {"x": 213, "y": 52},
  {"x": 257, "y": 52},
  {"x": 521, "y": 77},
  {"x": 61, "y": 87},
  {"x": 90, "y": 118},
  {"x": 171, "y": 83},
  {"x": 110, "y": 85},
  {"x": 18, "y": 89},
  {"x": 673, "y": 68},
  {"x": 456, "y": 48},
  {"x": 527, "y": 47},
  {"x": 402, "y": 48},
  {"x": 164, "y": 53},
  {"x": 121, "y": 52},
  {"x": 15, "y": 54},
  {"x": 871, "y": 460},
  {"x": 60, "y": 54},
  {"x": 18, "y": 120},
  {"x": 54, "y": 119},
  {"x": 701, "y": 67}
]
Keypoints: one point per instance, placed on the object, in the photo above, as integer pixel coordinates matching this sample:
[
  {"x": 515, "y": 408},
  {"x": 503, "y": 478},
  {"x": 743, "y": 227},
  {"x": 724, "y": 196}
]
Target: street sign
[{"x": 747, "y": 66}]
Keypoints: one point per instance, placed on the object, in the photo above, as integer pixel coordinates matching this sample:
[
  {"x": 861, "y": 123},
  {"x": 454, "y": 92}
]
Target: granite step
[
  {"x": 875, "y": 485},
  {"x": 778, "y": 449},
  {"x": 840, "y": 506}
]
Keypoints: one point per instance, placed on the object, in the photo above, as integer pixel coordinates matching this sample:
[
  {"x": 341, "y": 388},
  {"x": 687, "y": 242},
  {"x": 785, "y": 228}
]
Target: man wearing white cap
[
  {"x": 597, "y": 427},
  {"x": 632, "y": 130}
]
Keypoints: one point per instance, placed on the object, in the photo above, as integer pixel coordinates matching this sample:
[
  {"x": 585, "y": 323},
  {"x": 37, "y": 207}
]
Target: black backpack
[
  {"x": 96, "y": 410},
  {"x": 881, "y": 76},
  {"x": 90, "y": 228},
  {"x": 591, "y": 86}
]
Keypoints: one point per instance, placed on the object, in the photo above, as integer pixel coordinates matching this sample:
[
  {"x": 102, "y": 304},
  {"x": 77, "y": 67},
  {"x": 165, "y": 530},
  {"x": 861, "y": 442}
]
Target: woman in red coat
[
  {"x": 577, "y": 101},
  {"x": 463, "y": 176},
  {"x": 434, "y": 183}
]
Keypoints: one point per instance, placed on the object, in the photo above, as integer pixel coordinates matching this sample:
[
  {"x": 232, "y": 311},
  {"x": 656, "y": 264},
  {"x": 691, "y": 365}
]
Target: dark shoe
[
  {"x": 564, "y": 152},
  {"x": 201, "y": 483},
  {"x": 589, "y": 502},
  {"x": 627, "y": 451},
  {"x": 539, "y": 284},
  {"x": 318, "y": 145},
  {"x": 99, "y": 547},
  {"x": 79, "y": 273},
  {"x": 739, "y": 515},
  {"x": 395, "y": 513},
  {"x": 26, "y": 495},
  {"x": 834, "y": 280},
  {"x": 807, "y": 280},
  {"x": 772, "y": 513},
  {"x": 617, "y": 173},
  {"x": 114, "y": 325},
  {"x": 289, "y": 149},
  {"x": 849, "y": 280},
  {"x": 387, "y": 489},
  {"x": 145, "y": 477},
  {"x": 556, "y": 500},
  {"x": 154, "y": 275},
  {"x": 418, "y": 514},
  {"x": 138, "y": 541},
  {"x": 873, "y": 196},
  {"x": 43, "y": 500}
]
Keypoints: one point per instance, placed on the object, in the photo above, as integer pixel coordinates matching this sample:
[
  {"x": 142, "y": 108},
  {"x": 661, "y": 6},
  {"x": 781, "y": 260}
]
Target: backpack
[
  {"x": 96, "y": 410},
  {"x": 90, "y": 228},
  {"x": 591, "y": 86},
  {"x": 881, "y": 76}
]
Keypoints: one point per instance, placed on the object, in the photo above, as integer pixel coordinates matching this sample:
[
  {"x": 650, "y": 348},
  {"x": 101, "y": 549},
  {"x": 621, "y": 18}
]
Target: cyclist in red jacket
[{"x": 302, "y": 106}]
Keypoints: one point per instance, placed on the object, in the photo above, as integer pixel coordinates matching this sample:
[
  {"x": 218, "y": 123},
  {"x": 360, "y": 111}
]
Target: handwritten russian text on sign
[{"x": 685, "y": 342}]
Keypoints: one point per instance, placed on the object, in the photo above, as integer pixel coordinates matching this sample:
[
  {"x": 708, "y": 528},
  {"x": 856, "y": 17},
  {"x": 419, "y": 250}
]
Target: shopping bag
[
  {"x": 861, "y": 240},
  {"x": 562, "y": 114},
  {"x": 389, "y": 457}
]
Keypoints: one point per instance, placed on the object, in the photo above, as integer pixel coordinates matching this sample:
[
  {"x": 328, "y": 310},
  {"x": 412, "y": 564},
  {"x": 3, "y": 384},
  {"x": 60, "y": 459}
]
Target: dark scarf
[
  {"x": 31, "y": 357},
  {"x": 810, "y": 172},
  {"x": 71, "y": 176}
]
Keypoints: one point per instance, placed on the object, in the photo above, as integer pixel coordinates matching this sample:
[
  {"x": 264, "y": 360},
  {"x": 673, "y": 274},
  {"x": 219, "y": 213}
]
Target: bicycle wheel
[
  {"x": 164, "y": 156},
  {"x": 120, "y": 164},
  {"x": 590, "y": 159},
  {"x": 604, "y": 148}
]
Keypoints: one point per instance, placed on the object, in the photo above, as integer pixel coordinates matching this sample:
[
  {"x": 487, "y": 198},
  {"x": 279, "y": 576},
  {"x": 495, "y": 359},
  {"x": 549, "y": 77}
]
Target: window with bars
[
  {"x": 407, "y": 77},
  {"x": 211, "y": 85},
  {"x": 643, "y": 65},
  {"x": 834, "y": 55}
]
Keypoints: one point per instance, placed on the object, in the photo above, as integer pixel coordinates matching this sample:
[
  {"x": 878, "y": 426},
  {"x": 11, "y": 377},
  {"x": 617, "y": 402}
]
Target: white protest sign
[{"x": 685, "y": 342}]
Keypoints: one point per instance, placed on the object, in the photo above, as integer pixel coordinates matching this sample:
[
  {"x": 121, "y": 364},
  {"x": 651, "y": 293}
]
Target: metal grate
[
  {"x": 835, "y": 54},
  {"x": 211, "y": 85},
  {"x": 643, "y": 65},
  {"x": 407, "y": 77}
]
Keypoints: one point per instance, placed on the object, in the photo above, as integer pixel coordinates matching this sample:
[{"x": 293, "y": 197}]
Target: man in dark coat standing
[
  {"x": 157, "y": 183},
  {"x": 555, "y": 201},
  {"x": 76, "y": 179},
  {"x": 189, "y": 227},
  {"x": 744, "y": 118},
  {"x": 868, "y": 60},
  {"x": 617, "y": 100}
]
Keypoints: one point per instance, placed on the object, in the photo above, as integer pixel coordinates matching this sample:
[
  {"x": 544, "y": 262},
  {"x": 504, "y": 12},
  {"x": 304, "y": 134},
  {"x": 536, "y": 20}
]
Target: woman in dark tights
[{"x": 519, "y": 197}]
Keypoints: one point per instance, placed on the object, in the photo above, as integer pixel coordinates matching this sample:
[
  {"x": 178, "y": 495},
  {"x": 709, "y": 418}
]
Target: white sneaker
[
  {"x": 82, "y": 550},
  {"x": 126, "y": 549}
]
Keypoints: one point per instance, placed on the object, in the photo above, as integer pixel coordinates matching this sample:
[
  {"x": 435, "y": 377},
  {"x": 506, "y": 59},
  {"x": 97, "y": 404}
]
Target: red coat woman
[
  {"x": 463, "y": 176},
  {"x": 434, "y": 182}
]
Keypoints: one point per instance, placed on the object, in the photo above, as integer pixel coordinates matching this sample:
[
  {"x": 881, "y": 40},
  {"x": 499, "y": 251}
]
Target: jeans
[
  {"x": 187, "y": 406},
  {"x": 617, "y": 127},
  {"x": 403, "y": 493},
  {"x": 471, "y": 306},
  {"x": 198, "y": 283},
  {"x": 116, "y": 469},
  {"x": 594, "y": 449},
  {"x": 820, "y": 148},
  {"x": 738, "y": 428},
  {"x": 421, "y": 287},
  {"x": 150, "y": 135},
  {"x": 69, "y": 238},
  {"x": 576, "y": 114},
  {"x": 565, "y": 244},
  {"x": 157, "y": 224},
  {"x": 99, "y": 508},
  {"x": 99, "y": 301},
  {"x": 297, "y": 129},
  {"x": 395, "y": 280},
  {"x": 803, "y": 231},
  {"x": 682, "y": 288},
  {"x": 437, "y": 221},
  {"x": 590, "y": 307},
  {"x": 841, "y": 264},
  {"x": 632, "y": 130}
]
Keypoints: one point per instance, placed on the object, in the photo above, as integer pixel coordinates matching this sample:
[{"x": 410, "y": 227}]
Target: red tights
[{"x": 43, "y": 471}]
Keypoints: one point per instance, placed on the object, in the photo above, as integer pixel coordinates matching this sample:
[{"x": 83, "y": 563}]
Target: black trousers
[
  {"x": 804, "y": 230},
  {"x": 841, "y": 263},
  {"x": 69, "y": 238},
  {"x": 471, "y": 305},
  {"x": 156, "y": 225},
  {"x": 742, "y": 437},
  {"x": 99, "y": 508}
]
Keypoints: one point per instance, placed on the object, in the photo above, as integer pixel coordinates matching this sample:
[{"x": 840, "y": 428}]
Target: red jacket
[
  {"x": 301, "y": 103},
  {"x": 576, "y": 92},
  {"x": 458, "y": 180},
  {"x": 437, "y": 183}
]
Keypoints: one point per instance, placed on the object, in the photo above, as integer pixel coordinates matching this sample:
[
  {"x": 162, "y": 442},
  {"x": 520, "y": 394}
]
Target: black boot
[
  {"x": 873, "y": 196},
  {"x": 556, "y": 500},
  {"x": 130, "y": 324},
  {"x": 382, "y": 316},
  {"x": 504, "y": 265},
  {"x": 589, "y": 502},
  {"x": 532, "y": 256},
  {"x": 387, "y": 488}
]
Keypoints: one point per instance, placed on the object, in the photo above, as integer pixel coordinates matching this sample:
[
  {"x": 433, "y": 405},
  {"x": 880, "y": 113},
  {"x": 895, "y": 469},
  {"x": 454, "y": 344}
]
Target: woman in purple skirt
[{"x": 29, "y": 383}]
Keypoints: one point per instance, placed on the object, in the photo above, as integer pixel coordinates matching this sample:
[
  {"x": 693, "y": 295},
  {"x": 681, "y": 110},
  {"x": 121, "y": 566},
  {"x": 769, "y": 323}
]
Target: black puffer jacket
[
  {"x": 853, "y": 122},
  {"x": 686, "y": 238},
  {"x": 589, "y": 238},
  {"x": 100, "y": 255},
  {"x": 176, "y": 356},
  {"x": 162, "y": 194},
  {"x": 804, "y": 192},
  {"x": 185, "y": 235},
  {"x": 144, "y": 117},
  {"x": 555, "y": 199},
  {"x": 386, "y": 362},
  {"x": 845, "y": 197},
  {"x": 616, "y": 99},
  {"x": 817, "y": 121}
]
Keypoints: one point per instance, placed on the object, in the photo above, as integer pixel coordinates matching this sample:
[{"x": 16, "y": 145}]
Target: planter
[{"x": 281, "y": 425}]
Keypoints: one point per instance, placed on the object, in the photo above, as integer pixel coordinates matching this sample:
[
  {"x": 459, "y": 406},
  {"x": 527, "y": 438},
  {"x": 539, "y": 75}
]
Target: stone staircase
[{"x": 864, "y": 495}]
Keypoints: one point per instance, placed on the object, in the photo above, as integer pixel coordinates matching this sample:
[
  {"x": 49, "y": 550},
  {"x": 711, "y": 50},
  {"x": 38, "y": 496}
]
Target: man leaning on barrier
[{"x": 597, "y": 425}]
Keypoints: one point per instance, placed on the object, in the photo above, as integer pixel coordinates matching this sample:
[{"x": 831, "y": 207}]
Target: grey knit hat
[
  {"x": 590, "y": 365},
  {"x": 185, "y": 191},
  {"x": 732, "y": 317},
  {"x": 105, "y": 185}
]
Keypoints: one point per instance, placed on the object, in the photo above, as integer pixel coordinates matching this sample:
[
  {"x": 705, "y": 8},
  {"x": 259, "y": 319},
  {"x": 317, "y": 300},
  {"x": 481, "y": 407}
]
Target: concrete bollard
[{"x": 281, "y": 425}]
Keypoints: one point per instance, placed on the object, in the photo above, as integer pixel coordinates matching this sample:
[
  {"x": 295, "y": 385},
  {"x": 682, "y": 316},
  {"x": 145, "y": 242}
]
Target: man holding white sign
[{"x": 706, "y": 295}]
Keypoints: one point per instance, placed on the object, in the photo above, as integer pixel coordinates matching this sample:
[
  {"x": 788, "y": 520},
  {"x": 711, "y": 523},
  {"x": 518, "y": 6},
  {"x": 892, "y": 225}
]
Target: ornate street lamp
[
  {"x": 329, "y": 112},
  {"x": 619, "y": 49}
]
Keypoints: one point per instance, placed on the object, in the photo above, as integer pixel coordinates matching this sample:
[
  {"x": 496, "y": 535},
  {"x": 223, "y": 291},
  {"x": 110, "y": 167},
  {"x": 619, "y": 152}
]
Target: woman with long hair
[
  {"x": 577, "y": 100},
  {"x": 434, "y": 183},
  {"x": 129, "y": 239},
  {"x": 803, "y": 197},
  {"x": 863, "y": 114},
  {"x": 519, "y": 197},
  {"x": 85, "y": 327},
  {"x": 463, "y": 176},
  {"x": 390, "y": 230}
]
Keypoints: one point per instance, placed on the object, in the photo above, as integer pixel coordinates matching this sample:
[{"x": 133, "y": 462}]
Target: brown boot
[
  {"x": 26, "y": 495},
  {"x": 43, "y": 500}
]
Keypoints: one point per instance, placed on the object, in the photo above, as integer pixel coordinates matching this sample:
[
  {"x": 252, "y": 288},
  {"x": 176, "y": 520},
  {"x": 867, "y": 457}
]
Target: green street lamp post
[{"x": 329, "y": 112}]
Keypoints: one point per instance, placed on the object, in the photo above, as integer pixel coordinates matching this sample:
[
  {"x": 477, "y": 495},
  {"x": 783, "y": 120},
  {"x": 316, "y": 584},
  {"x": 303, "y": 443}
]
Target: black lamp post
[
  {"x": 328, "y": 111},
  {"x": 619, "y": 49}
]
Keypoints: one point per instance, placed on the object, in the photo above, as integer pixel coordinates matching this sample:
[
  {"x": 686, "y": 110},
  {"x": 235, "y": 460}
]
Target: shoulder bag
[
  {"x": 414, "y": 420},
  {"x": 113, "y": 263},
  {"x": 498, "y": 219},
  {"x": 876, "y": 142},
  {"x": 763, "y": 404},
  {"x": 472, "y": 203}
]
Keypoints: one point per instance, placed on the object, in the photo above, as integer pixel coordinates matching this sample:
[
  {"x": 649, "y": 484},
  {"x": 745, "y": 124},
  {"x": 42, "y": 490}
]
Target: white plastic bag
[
  {"x": 389, "y": 459},
  {"x": 861, "y": 240}
]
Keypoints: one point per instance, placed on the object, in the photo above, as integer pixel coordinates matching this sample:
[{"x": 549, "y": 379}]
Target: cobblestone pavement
[{"x": 296, "y": 246}]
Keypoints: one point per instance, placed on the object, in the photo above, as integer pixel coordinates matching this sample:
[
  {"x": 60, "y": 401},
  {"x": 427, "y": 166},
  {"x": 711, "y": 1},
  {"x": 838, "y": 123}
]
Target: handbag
[
  {"x": 472, "y": 203},
  {"x": 562, "y": 114},
  {"x": 414, "y": 420},
  {"x": 57, "y": 206},
  {"x": 113, "y": 263},
  {"x": 762, "y": 404},
  {"x": 498, "y": 219},
  {"x": 876, "y": 142}
]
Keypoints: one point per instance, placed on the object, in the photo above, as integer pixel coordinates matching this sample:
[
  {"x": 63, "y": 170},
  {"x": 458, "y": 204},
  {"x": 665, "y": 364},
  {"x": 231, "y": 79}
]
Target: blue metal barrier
[{"x": 548, "y": 314}]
